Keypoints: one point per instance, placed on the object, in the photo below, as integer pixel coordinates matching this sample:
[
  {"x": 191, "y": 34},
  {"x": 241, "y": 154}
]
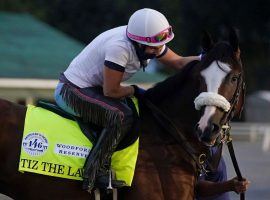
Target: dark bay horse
[{"x": 176, "y": 134}]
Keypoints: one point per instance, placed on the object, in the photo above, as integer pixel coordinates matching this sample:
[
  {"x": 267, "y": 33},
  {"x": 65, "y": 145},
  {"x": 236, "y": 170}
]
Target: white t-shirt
[{"x": 86, "y": 70}]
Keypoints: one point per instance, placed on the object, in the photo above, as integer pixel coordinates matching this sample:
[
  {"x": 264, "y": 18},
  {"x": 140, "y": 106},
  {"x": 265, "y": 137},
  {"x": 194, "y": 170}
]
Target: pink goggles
[{"x": 160, "y": 37}]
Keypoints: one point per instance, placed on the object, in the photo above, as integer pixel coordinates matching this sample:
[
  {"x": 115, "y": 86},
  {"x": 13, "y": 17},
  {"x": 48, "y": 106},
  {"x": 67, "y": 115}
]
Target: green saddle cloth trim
[{"x": 55, "y": 146}]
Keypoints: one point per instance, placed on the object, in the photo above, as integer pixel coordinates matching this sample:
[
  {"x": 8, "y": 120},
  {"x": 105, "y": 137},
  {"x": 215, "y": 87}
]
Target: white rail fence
[{"x": 252, "y": 132}]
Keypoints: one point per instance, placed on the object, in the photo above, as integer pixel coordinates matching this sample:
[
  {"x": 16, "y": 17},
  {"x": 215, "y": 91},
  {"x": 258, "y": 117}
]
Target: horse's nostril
[
  {"x": 212, "y": 127},
  {"x": 197, "y": 126}
]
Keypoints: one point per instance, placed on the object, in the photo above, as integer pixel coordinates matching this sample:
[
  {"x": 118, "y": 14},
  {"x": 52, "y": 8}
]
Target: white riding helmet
[{"x": 149, "y": 27}]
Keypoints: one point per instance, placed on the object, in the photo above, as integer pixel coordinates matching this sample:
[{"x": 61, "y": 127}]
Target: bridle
[
  {"x": 200, "y": 160},
  {"x": 225, "y": 129},
  {"x": 241, "y": 87}
]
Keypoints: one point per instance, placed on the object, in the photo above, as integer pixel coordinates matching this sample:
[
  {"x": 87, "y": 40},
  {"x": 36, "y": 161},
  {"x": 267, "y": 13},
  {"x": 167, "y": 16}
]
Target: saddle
[
  {"x": 89, "y": 130},
  {"x": 92, "y": 131}
]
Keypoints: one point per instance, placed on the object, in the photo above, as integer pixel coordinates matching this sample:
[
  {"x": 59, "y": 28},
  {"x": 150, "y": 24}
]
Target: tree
[{"x": 252, "y": 20}]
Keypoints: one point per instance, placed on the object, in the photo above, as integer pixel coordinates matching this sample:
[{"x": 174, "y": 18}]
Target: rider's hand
[
  {"x": 239, "y": 186},
  {"x": 138, "y": 92},
  {"x": 201, "y": 55}
]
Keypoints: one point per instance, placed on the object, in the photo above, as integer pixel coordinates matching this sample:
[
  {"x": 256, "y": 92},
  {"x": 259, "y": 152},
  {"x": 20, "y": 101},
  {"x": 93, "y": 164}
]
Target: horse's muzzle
[{"x": 209, "y": 135}]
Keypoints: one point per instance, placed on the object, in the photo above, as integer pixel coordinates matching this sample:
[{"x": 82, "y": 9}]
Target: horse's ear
[
  {"x": 233, "y": 39},
  {"x": 206, "y": 41}
]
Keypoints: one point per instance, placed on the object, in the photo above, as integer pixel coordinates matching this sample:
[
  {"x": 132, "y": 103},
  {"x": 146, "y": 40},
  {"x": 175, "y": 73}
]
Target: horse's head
[{"x": 220, "y": 76}]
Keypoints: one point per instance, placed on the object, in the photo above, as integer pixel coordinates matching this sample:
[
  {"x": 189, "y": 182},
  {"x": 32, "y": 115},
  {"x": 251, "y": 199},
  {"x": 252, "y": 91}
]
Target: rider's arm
[
  {"x": 111, "y": 85},
  {"x": 116, "y": 58},
  {"x": 171, "y": 59},
  {"x": 207, "y": 188}
]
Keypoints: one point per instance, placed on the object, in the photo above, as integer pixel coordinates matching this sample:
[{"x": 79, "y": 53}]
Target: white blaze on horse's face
[{"x": 213, "y": 76}]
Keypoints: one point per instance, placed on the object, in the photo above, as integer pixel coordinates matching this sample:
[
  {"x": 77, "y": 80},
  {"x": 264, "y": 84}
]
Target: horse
[{"x": 175, "y": 134}]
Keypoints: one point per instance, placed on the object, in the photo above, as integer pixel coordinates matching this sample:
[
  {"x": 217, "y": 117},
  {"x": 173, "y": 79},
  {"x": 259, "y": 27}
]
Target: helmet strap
[{"x": 140, "y": 51}]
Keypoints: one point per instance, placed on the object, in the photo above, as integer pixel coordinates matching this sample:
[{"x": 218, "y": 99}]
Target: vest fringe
[{"x": 89, "y": 111}]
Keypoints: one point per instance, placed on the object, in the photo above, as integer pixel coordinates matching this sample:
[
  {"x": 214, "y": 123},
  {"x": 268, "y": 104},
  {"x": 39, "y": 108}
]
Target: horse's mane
[{"x": 170, "y": 85}]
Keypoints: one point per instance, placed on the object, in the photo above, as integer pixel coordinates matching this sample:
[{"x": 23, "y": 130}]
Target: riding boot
[{"x": 100, "y": 155}]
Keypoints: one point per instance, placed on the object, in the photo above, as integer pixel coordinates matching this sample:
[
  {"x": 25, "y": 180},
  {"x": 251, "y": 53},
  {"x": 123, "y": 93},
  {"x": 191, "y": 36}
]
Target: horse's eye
[{"x": 234, "y": 78}]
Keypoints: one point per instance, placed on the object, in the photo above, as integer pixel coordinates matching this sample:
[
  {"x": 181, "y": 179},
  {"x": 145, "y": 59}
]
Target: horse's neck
[
  {"x": 11, "y": 111},
  {"x": 175, "y": 97},
  {"x": 181, "y": 107}
]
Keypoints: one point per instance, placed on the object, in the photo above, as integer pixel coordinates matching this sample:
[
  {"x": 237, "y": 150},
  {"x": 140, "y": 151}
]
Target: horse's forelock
[{"x": 222, "y": 51}]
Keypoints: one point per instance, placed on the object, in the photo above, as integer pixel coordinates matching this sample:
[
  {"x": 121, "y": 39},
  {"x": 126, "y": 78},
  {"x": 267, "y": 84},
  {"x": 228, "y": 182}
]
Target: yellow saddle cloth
[{"x": 55, "y": 146}]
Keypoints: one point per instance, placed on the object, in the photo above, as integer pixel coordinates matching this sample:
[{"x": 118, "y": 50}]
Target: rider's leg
[
  {"x": 100, "y": 155},
  {"x": 60, "y": 102},
  {"x": 114, "y": 115}
]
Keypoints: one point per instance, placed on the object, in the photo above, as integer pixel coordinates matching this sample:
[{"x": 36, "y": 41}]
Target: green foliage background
[{"x": 85, "y": 19}]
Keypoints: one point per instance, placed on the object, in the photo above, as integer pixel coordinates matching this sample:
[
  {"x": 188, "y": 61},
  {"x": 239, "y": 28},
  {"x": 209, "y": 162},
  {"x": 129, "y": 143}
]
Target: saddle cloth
[{"x": 55, "y": 146}]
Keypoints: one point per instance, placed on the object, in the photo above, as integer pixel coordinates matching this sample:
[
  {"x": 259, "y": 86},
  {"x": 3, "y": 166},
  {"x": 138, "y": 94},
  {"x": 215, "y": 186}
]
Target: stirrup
[
  {"x": 97, "y": 194},
  {"x": 110, "y": 186},
  {"x": 108, "y": 181}
]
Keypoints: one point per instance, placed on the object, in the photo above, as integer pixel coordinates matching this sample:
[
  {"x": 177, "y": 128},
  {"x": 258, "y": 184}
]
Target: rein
[
  {"x": 168, "y": 125},
  {"x": 227, "y": 132}
]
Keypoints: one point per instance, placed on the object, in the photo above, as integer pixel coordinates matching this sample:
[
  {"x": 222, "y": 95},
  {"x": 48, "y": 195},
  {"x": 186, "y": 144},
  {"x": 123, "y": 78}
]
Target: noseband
[{"x": 212, "y": 99}]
